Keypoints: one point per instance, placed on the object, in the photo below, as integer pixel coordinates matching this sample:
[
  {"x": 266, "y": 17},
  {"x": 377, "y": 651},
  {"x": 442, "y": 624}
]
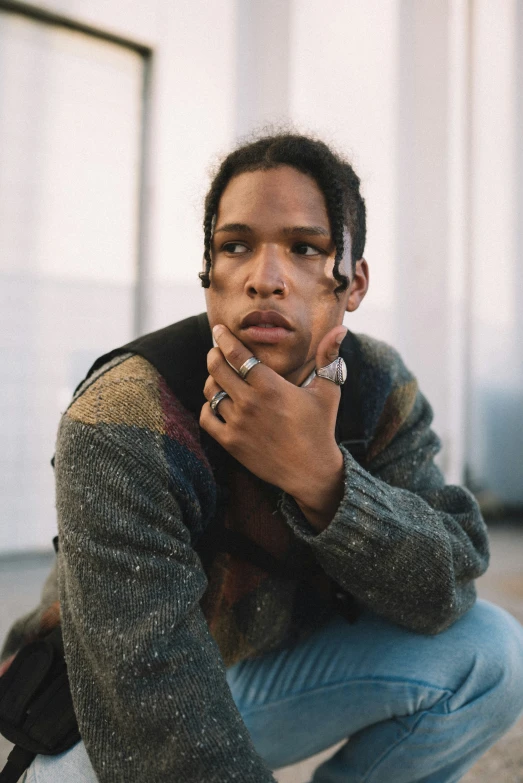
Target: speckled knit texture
[{"x": 134, "y": 491}]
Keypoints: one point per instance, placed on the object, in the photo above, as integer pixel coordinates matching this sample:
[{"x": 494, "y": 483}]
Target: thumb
[
  {"x": 328, "y": 351},
  {"x": 329, "y": 348}
]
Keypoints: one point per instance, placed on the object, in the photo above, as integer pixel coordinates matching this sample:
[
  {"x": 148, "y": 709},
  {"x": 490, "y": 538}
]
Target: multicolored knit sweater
[{"x": 148, "y": 634}]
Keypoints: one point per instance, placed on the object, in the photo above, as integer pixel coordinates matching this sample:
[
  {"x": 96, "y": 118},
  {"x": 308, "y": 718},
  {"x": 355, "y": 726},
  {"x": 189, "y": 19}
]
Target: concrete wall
[{"x": 496, "y": 296}]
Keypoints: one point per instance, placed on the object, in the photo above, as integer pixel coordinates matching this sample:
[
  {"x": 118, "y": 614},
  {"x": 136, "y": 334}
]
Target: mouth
[{"x": 266, "y": 326}]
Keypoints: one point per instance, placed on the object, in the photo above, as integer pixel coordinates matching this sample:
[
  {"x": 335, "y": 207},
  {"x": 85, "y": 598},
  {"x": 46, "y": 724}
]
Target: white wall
[
  {"x": 193, "y": 122},
  {"x": 496, "y": 416},
  {"x": 344, "y": 72}
]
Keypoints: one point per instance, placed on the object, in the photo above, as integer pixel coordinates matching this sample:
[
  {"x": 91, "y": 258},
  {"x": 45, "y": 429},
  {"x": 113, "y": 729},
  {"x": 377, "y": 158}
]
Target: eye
[
  {"x": 304, "y": 249},
  {"x": 235, "y": 248}
]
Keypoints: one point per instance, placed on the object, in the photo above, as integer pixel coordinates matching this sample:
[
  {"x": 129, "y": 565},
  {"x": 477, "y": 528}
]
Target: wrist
[{"x": 319, "y": 499}]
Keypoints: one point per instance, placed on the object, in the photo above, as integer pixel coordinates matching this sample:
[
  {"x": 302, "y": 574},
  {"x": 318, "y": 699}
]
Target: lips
[
  {"x": 265, "y": 327},
  {"x": 266, "y": 319}
]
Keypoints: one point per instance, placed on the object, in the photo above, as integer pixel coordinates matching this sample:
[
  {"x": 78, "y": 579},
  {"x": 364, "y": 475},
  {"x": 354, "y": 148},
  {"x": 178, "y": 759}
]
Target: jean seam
[
  {"x": 385, "y": 754},
  {"x": 343, "y": 683}
]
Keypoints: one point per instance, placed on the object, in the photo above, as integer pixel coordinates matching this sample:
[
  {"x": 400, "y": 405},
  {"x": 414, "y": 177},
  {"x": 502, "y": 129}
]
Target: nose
[{"x": 266, "y": 274}]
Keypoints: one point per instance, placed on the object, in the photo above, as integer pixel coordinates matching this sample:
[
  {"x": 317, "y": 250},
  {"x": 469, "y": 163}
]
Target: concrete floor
[{"x": 21, "y": 580}]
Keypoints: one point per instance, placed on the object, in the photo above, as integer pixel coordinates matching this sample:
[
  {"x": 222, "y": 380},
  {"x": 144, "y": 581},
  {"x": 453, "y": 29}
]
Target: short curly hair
[{"x": 335, "y": 177}]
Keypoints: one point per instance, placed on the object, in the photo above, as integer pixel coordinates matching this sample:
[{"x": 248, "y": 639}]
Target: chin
[
  {"x": 279, "y": 364},
  {"x": 282, "y": 365}
]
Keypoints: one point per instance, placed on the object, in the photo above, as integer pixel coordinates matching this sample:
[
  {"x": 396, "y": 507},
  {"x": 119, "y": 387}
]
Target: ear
[{"x": 358, "y": 286}]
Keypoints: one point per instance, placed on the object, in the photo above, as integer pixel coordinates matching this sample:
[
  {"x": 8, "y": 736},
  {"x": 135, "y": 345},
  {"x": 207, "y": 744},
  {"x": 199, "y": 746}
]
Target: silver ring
[
  {"x": 336, "y": 372},
  {"x": 218, "y": 397},
  {"x": 247, "y": 366}
]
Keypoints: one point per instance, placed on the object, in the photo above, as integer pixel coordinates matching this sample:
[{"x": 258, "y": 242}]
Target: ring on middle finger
[
  {"x": 218, "y": 397},
  {"x": 247, "y": 366}
]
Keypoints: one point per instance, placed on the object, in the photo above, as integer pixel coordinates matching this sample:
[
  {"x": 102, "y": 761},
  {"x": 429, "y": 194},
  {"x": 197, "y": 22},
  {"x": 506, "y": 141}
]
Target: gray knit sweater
[{"x": 134, "y": 491}]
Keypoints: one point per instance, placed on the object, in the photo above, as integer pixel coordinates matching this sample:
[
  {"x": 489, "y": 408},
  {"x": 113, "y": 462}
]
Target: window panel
[{"x": 70, "y": 147}]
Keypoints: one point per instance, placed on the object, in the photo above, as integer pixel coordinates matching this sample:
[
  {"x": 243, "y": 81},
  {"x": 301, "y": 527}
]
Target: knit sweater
[{"x": 148, "y": 634}]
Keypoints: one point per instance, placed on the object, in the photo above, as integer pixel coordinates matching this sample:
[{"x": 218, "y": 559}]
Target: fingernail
[
  {"x": 340, "y": 337},
  {"x": 218, "y": 330}
]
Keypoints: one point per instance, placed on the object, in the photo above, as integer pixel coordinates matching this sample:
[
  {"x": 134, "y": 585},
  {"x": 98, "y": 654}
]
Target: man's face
[{"x": 272, "y": 260}]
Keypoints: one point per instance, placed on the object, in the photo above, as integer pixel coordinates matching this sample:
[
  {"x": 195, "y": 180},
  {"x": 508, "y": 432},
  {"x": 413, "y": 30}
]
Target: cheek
[
  {"x": 327, "y": 315},
  {"x": 227, "y": 283},
  {"x": 214, "y": 306},
  {"x": 325, "y": 318}
]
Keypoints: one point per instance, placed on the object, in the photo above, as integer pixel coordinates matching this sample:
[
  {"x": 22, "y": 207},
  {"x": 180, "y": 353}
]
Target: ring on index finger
[
  {"x": 218, "y": 397},
  {"x": 247, "y": 366}
]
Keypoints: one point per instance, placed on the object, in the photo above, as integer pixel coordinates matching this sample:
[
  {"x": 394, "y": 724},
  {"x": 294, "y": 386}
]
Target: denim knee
[{"x": 493, "y": 686}]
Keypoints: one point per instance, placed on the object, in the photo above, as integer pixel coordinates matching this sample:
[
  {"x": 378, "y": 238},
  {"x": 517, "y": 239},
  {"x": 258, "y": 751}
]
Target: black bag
[{"x": 36, "y": 710}]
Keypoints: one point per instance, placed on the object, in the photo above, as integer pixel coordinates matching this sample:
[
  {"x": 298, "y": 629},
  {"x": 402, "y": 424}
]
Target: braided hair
[{"x": 334, "y": 176}]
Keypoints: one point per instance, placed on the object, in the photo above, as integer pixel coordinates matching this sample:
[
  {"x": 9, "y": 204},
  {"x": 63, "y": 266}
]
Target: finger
[
  {"x": 233, "y": 349},
  {"x": 223, "y": 411},
  {"x": 211, "y": 423},
  {"x": 211, "y": 388},
  {"x": 236, "y": 354},
  {"x": 224, "y": 375},
  {"x": 329, "y": 348}
]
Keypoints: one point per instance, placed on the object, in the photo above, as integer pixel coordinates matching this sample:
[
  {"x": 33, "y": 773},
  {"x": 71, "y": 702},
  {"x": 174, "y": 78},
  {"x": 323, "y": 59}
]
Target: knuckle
[
  {"x": 235, "y": 356},
  {"x": 203, "y": 415},
  {"x": 247, "y": 405},
  {"x": 208, "y": 389},
  {"x": 268, "y": 391},
  {"x": 213, "y": 360},
  {"x": 227, "y": 439}
]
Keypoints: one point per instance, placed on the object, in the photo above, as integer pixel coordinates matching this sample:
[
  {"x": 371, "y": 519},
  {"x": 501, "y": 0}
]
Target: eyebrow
[
  {"x": 233, "y": 228},
  {"x": 310, "y": 231}
]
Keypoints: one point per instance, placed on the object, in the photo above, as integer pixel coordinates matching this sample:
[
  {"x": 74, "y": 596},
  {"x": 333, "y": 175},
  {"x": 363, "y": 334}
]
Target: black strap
[{"x": 17, "y": 762}]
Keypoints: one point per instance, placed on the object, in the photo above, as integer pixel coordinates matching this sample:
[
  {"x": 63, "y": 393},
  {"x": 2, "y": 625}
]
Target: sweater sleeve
[
  {"x": 402, "y": 542},
  {"x": 147, "y": 679}
]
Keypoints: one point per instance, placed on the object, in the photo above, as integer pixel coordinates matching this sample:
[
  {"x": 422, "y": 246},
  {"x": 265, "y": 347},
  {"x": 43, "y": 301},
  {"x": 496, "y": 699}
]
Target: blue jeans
[{"x": 416, "y": 708}]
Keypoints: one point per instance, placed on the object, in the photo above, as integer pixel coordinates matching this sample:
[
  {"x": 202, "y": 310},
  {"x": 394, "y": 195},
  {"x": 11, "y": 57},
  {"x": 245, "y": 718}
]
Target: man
[{"x": 361, "y": 622}]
